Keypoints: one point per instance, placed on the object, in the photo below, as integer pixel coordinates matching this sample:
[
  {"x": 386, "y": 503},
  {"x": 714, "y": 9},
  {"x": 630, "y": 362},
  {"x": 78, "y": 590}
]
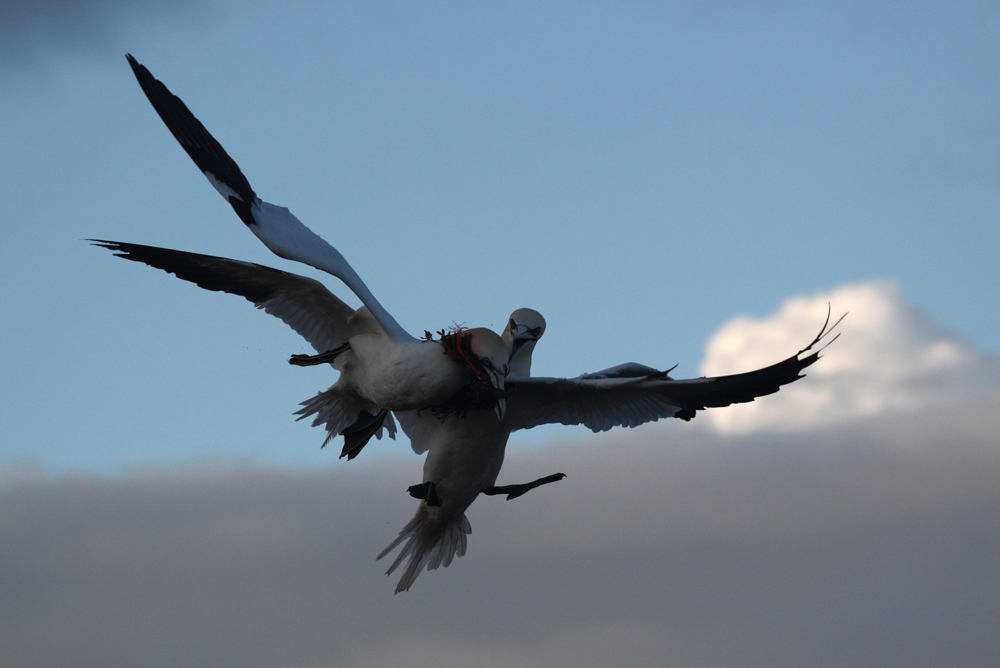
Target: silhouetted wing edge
[
  {"x": 302, "y": 303},
  {"x": 625, "y": 398},
  {"x": 207, "y": 153}
]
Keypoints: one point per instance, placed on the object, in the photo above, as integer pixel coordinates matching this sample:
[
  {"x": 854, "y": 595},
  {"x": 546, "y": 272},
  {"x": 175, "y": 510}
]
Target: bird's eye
[{"x": 512, "y": 326}]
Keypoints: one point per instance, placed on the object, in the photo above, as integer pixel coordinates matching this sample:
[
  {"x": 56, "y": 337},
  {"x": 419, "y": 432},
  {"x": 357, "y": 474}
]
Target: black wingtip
[
  {"x": 113, "y": 246},
  {"x": 824, "y": 332},
  {"x": 206, "y": 152},
  {"x": 142, "y": 74}
]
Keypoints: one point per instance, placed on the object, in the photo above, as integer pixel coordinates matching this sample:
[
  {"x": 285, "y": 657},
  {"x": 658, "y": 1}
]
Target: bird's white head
[
  {"x": 523, "y": 330},
  {"x": 490, "y": 352}
]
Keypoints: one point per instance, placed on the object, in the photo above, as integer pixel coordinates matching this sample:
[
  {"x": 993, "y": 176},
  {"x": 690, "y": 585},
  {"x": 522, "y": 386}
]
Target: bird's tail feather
[{"x": 428, "y": 544}]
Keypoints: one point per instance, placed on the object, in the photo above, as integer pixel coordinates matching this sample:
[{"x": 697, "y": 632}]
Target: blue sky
[
  {"x": 686, "y": 182},
  {"x": 640, "y": 173}
]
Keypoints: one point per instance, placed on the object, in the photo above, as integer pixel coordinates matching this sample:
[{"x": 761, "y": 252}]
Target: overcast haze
[
  {"x": 874, "y": 545},
  {"x": 689, "y": 182}
]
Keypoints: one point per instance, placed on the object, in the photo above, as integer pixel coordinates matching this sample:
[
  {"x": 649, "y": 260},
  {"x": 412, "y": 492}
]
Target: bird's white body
[
  {"x": 464, "y": 457},
  {"x": 399, "y": 375},
  {"x": 385, "y": 366}
]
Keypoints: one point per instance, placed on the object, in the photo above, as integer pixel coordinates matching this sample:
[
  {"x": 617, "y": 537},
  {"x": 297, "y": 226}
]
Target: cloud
[
  {"x": 874, "y": 544},
  {"x": 28, "y": 23},
  {"x": 890, "y": 357}
]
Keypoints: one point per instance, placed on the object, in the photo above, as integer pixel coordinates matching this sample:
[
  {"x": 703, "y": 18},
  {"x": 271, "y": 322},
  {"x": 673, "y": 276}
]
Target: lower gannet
[
  {"x": 383, "y": 367},
  {"x": 464, "y": 457}
]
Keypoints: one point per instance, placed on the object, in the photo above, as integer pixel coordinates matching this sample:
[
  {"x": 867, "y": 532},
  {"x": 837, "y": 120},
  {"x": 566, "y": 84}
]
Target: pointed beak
[
  {"x": 496, "y": 379},
  {"x": 520, "y": 337}
]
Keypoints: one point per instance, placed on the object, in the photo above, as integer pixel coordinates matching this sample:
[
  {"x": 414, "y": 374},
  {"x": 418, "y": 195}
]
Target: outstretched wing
[
  {"x": 284, "y": 234},
  {"x": 630, "y": 394},
  {"x": 302, "y": 303}
]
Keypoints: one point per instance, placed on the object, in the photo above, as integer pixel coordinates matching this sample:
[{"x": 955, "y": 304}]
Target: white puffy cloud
[{"x": 890, "y": 357}]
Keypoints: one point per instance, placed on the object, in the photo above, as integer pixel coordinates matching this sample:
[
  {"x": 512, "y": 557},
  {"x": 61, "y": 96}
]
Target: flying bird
[
  {"x": 465, "y": 454},
  {"x": 356, "y": 406},
  {"x": 383, "y": 367}
]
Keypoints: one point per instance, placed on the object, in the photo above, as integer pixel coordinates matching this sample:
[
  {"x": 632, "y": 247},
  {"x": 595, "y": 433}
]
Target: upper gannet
[
  {"x": 383, "y": 367},
  {"x": 377, "y": 375},
  {"x": 465, "y": 454}
]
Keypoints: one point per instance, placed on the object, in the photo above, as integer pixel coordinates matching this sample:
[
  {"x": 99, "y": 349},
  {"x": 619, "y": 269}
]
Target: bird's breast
[
  {"x": 404, "y": 376},
  {"x": 464, "y": 455}
]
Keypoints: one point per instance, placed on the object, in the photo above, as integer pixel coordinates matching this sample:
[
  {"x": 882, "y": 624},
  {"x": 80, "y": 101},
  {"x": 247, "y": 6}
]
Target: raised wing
[
  {"x": 302, "y": 303},
  {"x": 213, "y": 161},
  {"x": 630, "y": 394},
  {"x": 284, "y": 234}
]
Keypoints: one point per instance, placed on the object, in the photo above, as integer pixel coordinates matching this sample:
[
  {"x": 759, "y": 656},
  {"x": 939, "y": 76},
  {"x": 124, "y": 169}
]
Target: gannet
[
  {"x": 376, "y": 374},
  {"x": 464, "y": 457},
  {"x": 382, "y": 366},
  {"x": 524, "y": 328},
  {"x": 465, "y": 454}
]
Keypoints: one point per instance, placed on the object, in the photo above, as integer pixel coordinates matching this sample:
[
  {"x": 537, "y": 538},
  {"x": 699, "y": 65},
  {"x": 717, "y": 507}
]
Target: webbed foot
[
  {"x": 358, "y": 434},
  {"x": 426, "y": 491},
  {"x": 321, "y": 358},
  {"x": 514, "y": 491}
]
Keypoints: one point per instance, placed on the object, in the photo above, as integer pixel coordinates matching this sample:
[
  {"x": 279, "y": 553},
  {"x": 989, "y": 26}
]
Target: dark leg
[
  {"x": 322, "y": 358},
  {"x": 426, "y": 491},
  {"x": 358, "y": 434},
  {"x": 514, "y": 491}
]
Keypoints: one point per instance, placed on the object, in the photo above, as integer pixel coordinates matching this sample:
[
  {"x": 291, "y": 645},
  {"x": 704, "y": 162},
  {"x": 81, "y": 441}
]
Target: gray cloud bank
[
  {"x": 29, "y": 24},
  {"x": 875, "y": 544}
]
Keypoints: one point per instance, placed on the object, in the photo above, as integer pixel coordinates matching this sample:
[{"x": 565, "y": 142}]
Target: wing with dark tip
[
  {"x": 277, "y": 227},
  {"x": 302, "y": 303},
  {"x": 213, "y": 161},
  {"x": 625, "y": 398}
]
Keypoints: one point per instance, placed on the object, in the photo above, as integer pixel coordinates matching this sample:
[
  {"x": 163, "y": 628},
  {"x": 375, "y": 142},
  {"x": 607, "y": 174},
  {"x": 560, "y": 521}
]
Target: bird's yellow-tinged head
[{"x": 490, "y": 355}]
